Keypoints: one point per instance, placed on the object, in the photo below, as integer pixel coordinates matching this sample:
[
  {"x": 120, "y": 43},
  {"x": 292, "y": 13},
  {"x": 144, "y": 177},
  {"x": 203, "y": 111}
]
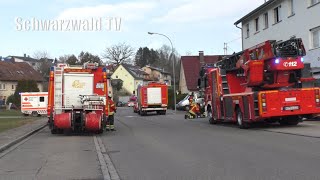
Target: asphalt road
[
  {"x": 168, "y": 147},
  {"x": 46, "y": 156}
]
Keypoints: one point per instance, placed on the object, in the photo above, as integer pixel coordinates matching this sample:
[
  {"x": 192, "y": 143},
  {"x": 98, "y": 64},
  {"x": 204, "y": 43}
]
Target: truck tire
[
  {"x": 187, "y": 108},
  {"x": 211, "y": 119},
  {"x": 34, "y": 114},
  {"x": 239, "y": 118},
  {"x": 54, "y": 131},
  {"x": 164, "y": 112},
  {"x": 290, "y": 121}
]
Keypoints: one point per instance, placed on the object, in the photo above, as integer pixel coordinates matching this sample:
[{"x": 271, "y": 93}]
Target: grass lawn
[
  {"x": 10, "y": 123},
  {"x": 4, "y": 112}
]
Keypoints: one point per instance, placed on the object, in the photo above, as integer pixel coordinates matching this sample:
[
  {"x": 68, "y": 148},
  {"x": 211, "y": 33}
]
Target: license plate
[
  {"x": 291, "y": 99},
  {"x": 290, "y": 108}
]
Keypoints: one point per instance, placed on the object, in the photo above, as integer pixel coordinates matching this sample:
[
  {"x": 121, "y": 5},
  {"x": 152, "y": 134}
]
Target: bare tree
[
  {"x": 118, "y": 54},
  {"x": 41, "y": 55}
]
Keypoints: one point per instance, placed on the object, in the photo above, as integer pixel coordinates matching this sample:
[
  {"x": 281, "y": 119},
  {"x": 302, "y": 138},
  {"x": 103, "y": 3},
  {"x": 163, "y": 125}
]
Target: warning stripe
[
  {"x": 34, "y": 95},
  {"x": 33, "y": 109}
]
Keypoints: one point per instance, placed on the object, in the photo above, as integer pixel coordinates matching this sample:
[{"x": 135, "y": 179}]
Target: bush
[
  {"x": 12, "y": 99},
  {"x": 179, "y": 97}
]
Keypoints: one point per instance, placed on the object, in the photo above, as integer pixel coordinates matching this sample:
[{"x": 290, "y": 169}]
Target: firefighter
[
  {"x": 194, "y": 110},
  {"x": 112, "y": 109}
]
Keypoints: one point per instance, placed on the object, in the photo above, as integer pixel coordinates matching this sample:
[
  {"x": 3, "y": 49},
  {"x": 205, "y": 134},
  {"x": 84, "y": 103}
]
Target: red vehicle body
[
  {"x": 77, "y": 98},
  {"x": 268, "y": 82},
  {"x": 152, "y": 97}
]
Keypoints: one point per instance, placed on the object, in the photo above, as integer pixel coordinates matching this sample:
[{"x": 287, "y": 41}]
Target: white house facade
[{"x": 281, "y": 20}]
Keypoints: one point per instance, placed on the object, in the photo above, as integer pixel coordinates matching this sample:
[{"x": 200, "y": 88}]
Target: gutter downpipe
[{"x": 241, "y": 35}]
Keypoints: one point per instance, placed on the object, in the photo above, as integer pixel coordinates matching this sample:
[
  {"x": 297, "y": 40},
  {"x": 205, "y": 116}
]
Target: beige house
[
  {"x": 157, "y": 74},
  {"x": 132, "y": 77},
  {"x": 11, "y": 73}
]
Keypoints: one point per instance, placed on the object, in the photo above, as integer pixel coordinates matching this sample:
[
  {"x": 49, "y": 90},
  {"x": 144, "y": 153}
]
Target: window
[
  {"x": 41, "y": 99},
  {"x": 313, "y": 2},
  {"x": 117, "y": 77},
  {"x": 2, "y": 87},
  {"x": 315, "y": 33},
  {"x": 276, "y": 14},
  {"x": 248, "y": 30},
  {"x": 266, "y": 21},
  {"x": 12, "y": 87},
  {"x": 291, "y": 8},
  {"x": 257, "y": 24}
]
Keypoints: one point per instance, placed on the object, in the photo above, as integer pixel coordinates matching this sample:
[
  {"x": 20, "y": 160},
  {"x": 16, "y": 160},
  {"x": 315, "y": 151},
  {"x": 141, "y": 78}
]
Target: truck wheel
[
  {"x": 158, "y": 112},
  {"x": 211, "y": 119},
  {"x": 34, "y": 114},
  {"x": 241, "y": 123},
  {"x": 54, "y": 131},
  {"x": 187, "y": 108},
  {"x": 291, "y": 121},
  {"x": 164, "y": 112}
]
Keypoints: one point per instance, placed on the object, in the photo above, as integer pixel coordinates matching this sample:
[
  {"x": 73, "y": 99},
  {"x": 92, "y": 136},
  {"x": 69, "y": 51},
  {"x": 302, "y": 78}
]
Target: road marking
[{"x": 108, "y": 170}]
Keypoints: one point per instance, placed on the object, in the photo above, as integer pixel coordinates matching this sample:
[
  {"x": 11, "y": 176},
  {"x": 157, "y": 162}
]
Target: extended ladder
[{"x": 58, "y": 76}]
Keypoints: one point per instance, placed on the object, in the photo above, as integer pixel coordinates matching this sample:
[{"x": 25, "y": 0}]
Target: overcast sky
[{"x": 192, "y": 25}]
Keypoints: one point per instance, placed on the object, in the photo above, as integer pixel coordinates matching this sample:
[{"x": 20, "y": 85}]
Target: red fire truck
[
  {"x": 152, "y": 97},
  {"x": 77, "y": 98},
  {"x": 268, "y": 82}
]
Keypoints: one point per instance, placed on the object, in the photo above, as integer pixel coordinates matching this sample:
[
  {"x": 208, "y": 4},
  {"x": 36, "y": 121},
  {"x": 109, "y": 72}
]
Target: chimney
[
  {"x": 24, "y": 55},
  {"x": 201, "y": 58}
]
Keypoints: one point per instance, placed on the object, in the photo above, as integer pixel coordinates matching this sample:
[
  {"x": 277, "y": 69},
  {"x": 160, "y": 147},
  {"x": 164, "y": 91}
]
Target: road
[{"x": 167, "y": 147}]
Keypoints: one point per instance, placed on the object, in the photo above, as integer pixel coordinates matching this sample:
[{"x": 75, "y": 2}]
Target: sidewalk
[{"x": 13, "y": 136}]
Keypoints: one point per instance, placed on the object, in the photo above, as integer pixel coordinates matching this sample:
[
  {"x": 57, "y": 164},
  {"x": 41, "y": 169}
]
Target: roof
[
  {"x": 255, "y": 11},
  {"x": 18, "y": 71},
  {"x": 191, "y": 67},
  {"x": 158, "y": 69},
  {"x": 135, "y": 71},
  {"x": 25, "y": 58}
]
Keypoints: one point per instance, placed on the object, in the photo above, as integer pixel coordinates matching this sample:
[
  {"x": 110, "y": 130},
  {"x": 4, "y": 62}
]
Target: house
[
  {"x": 157, "y": 74},
  {"x": 132, "y": 77},
  {"x": 11, "y": 73},
  {"x": 34, "y": 63},
  {"x": 281, "y": 20},
  {"x": 190, "y": 68}
]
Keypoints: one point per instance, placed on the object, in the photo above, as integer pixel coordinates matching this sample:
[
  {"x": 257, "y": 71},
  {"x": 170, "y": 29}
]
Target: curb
[{"x": 19, "y": 139}]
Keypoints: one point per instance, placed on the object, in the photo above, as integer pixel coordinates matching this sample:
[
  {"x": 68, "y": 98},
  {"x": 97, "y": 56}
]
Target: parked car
[
  {"x": 184, "y": 103},
  {"x": 131, "y": 101}
]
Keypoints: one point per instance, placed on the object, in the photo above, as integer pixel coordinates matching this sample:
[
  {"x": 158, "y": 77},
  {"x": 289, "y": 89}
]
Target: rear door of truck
[{"x": 288, "y": 102}]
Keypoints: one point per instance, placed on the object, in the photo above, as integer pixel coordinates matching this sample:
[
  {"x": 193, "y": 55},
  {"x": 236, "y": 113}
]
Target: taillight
[
  {"x": 317, "y": 98},
  {"x": 264, "y": 102}
]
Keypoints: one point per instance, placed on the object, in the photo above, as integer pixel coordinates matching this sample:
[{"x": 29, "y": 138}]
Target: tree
[
  {"x": 88, "y": 57},
  {"x": 146, "y": 56},
  {"x": 72, "y": 60},
  {"x": 64, "y": 58},
  {"x": 23, "y": 86},
  {"x": 118, "y": 54},
  {"x": 117, "y": 84},
  {"x": 45, "y": 62}
]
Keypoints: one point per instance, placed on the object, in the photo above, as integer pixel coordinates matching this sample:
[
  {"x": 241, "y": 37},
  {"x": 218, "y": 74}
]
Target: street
[{"x": 167, "y": 147}]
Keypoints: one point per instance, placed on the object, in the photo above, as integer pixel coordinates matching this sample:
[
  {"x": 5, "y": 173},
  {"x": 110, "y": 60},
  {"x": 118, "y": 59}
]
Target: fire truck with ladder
[
  {"x": 77, "y": 98},
  {"x": 268, "y": 82}
]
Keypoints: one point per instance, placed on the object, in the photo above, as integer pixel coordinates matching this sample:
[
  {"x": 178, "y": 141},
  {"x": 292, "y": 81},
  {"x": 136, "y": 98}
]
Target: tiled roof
[
  {"x": 18, "y": 71},
  {"x": 158, "y": 69},
  {"x": 26, "y": 58},
  {"x": 191, "y": 67},
  {"x": 135, "y": 71}
]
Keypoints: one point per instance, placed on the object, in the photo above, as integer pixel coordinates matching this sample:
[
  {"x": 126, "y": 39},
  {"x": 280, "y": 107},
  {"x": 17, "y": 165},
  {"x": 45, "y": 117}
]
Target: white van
[{"x": 34, "y": 103}]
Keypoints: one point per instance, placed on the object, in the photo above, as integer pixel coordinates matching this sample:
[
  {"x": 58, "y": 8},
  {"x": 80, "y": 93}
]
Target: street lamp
[{"x": 173, "y": 69}]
